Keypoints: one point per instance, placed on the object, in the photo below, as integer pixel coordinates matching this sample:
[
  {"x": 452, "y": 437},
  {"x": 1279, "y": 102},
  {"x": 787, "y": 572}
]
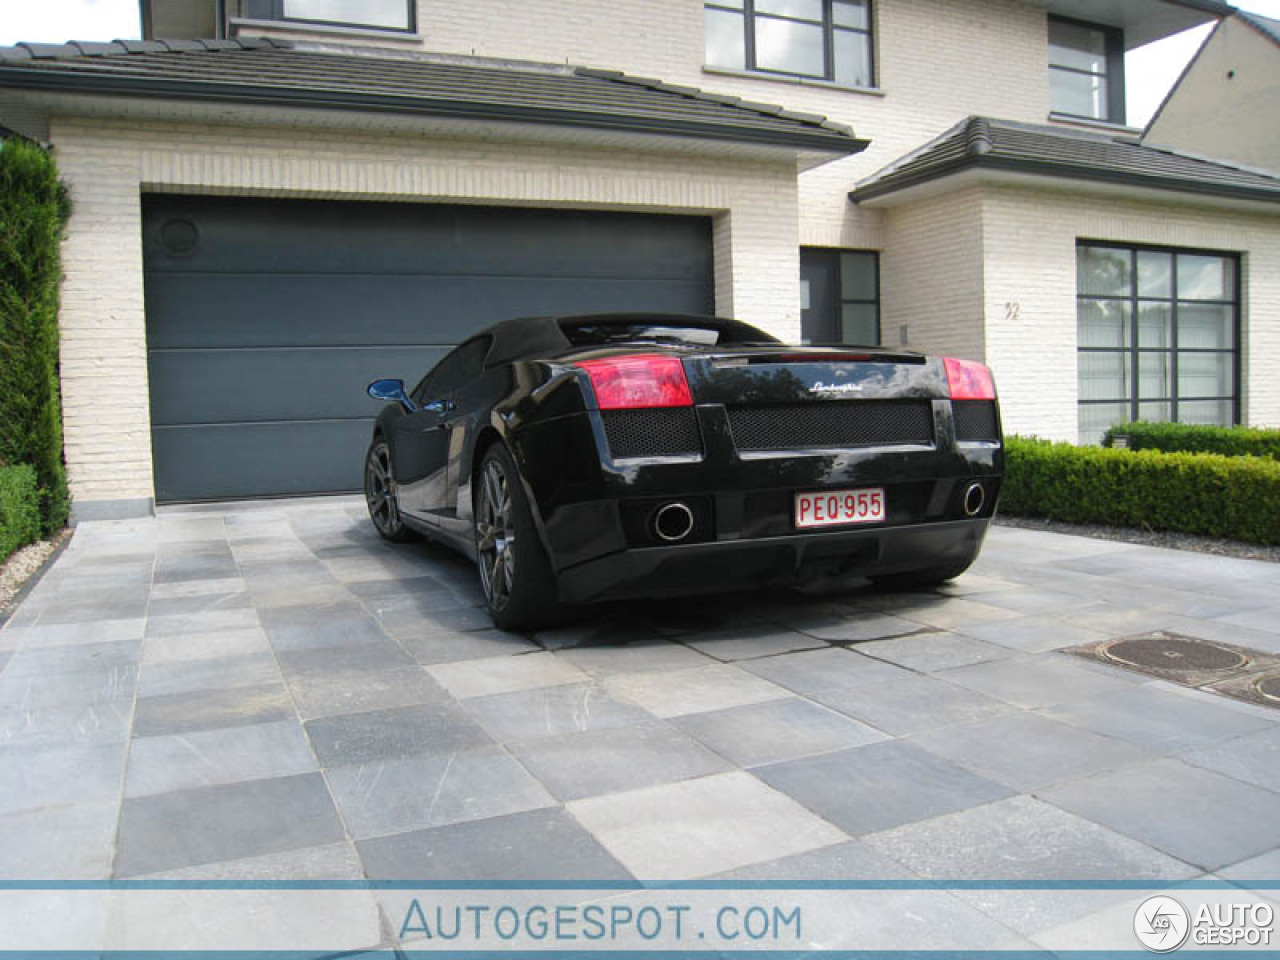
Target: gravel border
[
  {"x": 1148, "y": 538},
  {"x": 24, "y": 567}
]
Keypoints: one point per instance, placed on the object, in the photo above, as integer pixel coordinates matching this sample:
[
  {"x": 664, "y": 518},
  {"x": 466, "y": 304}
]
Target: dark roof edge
[
  {"x": 821, "y": 139},
  {"x": 1252, "y": 19},
  {"x": 1066, "y": 171},
  {"x": 1216, "y": 7}
]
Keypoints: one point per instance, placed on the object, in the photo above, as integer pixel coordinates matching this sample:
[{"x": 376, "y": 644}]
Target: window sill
[
  {"x": 795, "y": 81},
  {"x": 1089, "y": 123},
  {"x": 326, "y": 30}
]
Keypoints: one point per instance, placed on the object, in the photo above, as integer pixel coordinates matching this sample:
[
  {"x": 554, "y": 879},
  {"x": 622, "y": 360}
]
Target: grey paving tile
[
  {"x": 908, "y": 704},
  {"x": 854, "y": 626},
  {"x": 78, "y": 724},
  {"x": 1158, "y": 720},
  {"x": 211, "y": 709},
  {"x": 1038, "y": 634},
  {"x": 1042, "y": 680},
  {"x": 1178, "y": 809},
  {"x": 479, "y": 678},
  {"x": 1267, "y": 619},
  {"x": 203, "y": 758},
  {"x": 1264, "y": 868},
  {"x": 218, "y": 673},
  {"x": 335, "y": 861},
  {"x": 930, "y": 652},
  {"x": 535, "y": 845},
  {"x": 68, "y": 687},
  {"x": 55, "y": 776},
  {"x": 35, "y": 661},
  {"x": 880, "y": 785},
  {"x": 412, "y": 612},
  {"x": 1254, "y": 758},
  {"x": 199, "y": 604},
  {"x": 395, "y": 586},
  {"x": 116, "y": 604},
  {"x": 1028, "y": 752},
  {"x": 776, "y": 730},
  {"x": 840, "y": 862},
  {"x": 440, "y": 727},
  {"x": 1023, "y": 839},
  {"x": 672, "y": 693},
  {"x": 215, "y": 645},
  {"x": 449, "y": 646},
  {"x": 696, "y": 828},
  {"x": 359, "y": 693},
  {"x": 5, "y": 657},
  {"x": 234, "y": 821},
  {"x": 207, "y": 590},
  {"x": 59, "y": 843},
  {"x": 750, "y": 641},
  {"x": 97, "y": 631},
  {"x": 462, "y": 619},
  {"x": 362, "y": 658},
  {"x": 393, "y": 796},
  {"x": 212, "y": 621},
  {"x": 811, "y": 671},
  {"x": 614, "y": 759},
  {"x": 612, "y": 628},
  {"x": 319, "y": 625},
  {"x": 649, "y": 655},
  {"x": 546, "y": 711},
  {"x": 1033, "y": 600}
]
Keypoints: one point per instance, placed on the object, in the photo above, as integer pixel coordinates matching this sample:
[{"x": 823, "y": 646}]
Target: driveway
[{"x": 269, "y": 691}]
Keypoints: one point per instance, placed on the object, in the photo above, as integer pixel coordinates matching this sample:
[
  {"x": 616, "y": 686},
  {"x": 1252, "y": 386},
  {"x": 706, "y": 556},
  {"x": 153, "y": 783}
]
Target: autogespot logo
[{"x": 1161, "y": 924}]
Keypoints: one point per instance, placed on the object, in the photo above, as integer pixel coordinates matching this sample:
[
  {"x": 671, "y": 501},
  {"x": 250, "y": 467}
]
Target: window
[
  {"x": 822, "y": 39},
  {"x": 1086, "y": 70},
  {"x": 839, "y": 296},
  {"x": 1158, "y": 336},
  {"x": 378, "y": 14}
]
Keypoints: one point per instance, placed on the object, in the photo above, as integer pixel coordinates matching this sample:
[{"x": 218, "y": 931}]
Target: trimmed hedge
[
  {"x": 1193, "y": 438},
  {"x": 1236, "y": 498},
  {"x": 33, "y": 211},
  {"x": 19, "y": 508}
]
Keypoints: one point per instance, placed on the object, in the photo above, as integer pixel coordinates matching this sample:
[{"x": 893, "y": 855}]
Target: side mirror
[{"x": 392, "y": 391}]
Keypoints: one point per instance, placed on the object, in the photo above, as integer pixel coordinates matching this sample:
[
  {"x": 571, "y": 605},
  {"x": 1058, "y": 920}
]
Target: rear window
[{"x": 707, "y": 335}]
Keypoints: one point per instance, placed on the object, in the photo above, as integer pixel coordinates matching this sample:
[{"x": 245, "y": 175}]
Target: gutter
[{"x": 200, "y": 91}]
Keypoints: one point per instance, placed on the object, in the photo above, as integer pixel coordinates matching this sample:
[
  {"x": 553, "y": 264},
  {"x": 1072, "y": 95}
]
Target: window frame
[
  {"x": 829, "y": 30},
  {"x": 276, "y": 14},
  {"x": 1113, "y": 43},
  {"x": 835, "y": 257},
  {"x": 1133, "y": 352}
]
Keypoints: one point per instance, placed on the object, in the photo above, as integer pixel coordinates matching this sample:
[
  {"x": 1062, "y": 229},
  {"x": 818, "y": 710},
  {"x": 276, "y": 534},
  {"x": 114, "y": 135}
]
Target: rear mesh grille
[
  {"x": 652, "y": 433},
  {"x": 851, "y": 423},
  {"x": 975, "y": 419}
]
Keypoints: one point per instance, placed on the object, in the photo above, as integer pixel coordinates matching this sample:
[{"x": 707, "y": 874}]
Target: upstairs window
[
  {"x": 378, "y": 14},
  {"x": 819, "y": 39},
  {"x": 1086, "y": 70}
]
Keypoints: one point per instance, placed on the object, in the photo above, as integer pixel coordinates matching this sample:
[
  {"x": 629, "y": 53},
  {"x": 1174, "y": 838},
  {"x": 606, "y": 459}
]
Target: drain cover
[
  {"x": 1263, "y": 688},
  {"x": 1171, "y": 652},
  {"x": 1269, "y": 687}
]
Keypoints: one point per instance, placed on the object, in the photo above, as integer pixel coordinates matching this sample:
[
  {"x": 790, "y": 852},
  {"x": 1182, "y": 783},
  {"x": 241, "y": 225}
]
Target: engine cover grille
[
  {"x": 975, "y": 419},
  {"x": 839, "y": 423},
  {"x": 661, "y": 432}
]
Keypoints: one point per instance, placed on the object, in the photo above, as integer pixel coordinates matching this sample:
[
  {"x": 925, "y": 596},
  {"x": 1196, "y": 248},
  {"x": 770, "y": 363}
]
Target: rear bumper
[{"x": 736, "y": 564}]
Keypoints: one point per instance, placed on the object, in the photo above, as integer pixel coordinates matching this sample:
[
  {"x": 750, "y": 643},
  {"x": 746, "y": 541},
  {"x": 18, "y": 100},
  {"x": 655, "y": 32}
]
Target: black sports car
[{"x": 588, "y": 458}]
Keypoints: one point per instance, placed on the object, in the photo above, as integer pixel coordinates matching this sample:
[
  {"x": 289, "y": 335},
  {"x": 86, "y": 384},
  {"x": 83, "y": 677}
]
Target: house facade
[{"x": 328, "y": 191}]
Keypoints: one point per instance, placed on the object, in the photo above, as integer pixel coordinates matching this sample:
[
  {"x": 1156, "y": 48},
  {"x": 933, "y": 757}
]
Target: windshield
[{"x": 595, "y": 334}]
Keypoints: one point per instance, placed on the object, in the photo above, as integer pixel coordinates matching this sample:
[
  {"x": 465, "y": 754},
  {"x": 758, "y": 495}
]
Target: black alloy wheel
[{"x": 380, "y": 494}]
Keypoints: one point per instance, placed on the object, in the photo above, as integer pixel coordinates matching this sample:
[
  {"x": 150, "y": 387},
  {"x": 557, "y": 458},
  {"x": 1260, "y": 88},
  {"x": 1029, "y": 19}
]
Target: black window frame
[
  {"x": 1133, "y": 353},
  {"x": 836, "y": 257},
  {"x": 829, "y": 29},
  {"x": 274, "y": 10},
  {"x": 1113, "y": 40},
  {"x": 452, "y": 372}
]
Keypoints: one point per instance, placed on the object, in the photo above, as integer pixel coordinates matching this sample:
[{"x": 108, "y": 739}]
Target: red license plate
[{"x": 832, "y": 508}]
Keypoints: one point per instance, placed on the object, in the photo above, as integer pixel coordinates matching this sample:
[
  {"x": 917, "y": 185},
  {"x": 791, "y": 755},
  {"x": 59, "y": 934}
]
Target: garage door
[{"x": 267, "y": 318}]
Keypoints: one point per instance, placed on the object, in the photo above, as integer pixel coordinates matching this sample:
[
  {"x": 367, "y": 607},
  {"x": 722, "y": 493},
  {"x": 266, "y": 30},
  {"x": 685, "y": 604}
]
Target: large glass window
[
  {"x": 839, "y": 296},
  {"x": 1158, "y": 336},
  {"x": 822, "y": 39},
  {"x": 1086, "y": 70},
  {"x": 379, "y": 14}
]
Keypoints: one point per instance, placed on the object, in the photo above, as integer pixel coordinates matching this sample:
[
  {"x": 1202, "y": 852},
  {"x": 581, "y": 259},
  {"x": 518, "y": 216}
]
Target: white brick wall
[{"x": 109, "y": 164}]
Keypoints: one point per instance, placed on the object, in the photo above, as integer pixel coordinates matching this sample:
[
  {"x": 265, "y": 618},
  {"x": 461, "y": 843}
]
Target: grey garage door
[{"x": 267, "y": 318}]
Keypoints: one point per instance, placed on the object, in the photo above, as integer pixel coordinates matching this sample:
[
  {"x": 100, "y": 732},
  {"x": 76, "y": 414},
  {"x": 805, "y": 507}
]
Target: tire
[
  {"x": 380, "y": 494},
  {"x": 515, "y": 573},
  {"x": 921, "y": 579}
]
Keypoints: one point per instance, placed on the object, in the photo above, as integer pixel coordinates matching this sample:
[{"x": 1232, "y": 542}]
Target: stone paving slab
[{"x": 269, "y": 691}]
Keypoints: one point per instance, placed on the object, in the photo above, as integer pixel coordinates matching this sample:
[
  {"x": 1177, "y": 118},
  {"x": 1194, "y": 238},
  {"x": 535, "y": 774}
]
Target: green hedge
[
  {"x": 1236, "y": 498},
  {"x": 33, "y": 210},
  {"x": 19, "y": 508},
  {"x": 1194, "y": 438}
]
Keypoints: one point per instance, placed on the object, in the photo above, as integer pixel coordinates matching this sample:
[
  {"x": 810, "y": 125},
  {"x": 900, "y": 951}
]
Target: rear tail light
[
  {"x": 639, "y": 380},
  {"x": 968, "y": 380}
]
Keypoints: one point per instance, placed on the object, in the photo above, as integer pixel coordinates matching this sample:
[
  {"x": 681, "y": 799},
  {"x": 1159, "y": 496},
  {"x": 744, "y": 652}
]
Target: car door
[
  {"x": 470, "y": 404},
  {"x": 420, "y": 448}
]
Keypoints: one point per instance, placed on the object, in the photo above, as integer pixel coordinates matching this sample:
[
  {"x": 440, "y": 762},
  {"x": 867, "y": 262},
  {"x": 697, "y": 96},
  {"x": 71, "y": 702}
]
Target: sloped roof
[
  {"x": 1264, "y": 25},
  {"x": 267, "y": 71},
  {"x": 982, "y": 142}
]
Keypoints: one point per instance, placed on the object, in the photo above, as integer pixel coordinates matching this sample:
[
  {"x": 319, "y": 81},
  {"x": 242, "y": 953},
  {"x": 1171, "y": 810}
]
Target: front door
[{"x": 820, "y": 296}]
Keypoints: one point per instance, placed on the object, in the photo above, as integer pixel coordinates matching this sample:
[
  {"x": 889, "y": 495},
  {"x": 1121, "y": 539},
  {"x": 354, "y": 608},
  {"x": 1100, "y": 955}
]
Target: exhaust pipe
[
  {"x": 672, "y": 522},
  {"x": 974, "y": 498}
]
